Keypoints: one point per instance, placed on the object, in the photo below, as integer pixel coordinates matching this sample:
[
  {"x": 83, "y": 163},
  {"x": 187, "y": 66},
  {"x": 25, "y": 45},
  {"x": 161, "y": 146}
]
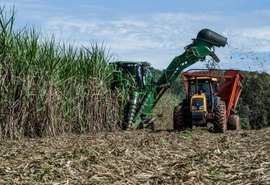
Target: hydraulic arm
[{"x": 201, "y": 47}]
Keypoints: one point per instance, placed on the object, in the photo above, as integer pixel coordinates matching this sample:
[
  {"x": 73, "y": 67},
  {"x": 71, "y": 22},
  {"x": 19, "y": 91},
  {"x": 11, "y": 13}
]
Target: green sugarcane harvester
[{"x": 144, "y": 92}]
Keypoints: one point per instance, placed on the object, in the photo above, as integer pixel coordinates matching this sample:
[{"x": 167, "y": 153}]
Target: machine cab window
[{"x": 202, "y": 86}]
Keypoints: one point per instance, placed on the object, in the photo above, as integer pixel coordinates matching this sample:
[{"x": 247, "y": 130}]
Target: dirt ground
[{"x": 139, "y": 157}]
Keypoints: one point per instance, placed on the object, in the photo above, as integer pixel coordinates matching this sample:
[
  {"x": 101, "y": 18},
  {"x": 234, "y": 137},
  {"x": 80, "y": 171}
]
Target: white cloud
[
  {"x": 184, "y": 17},
  {"x": 251, "y": 39}
]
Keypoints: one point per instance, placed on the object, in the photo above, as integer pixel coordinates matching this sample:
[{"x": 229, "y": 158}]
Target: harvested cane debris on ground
[{"x": 139, "y": 157}]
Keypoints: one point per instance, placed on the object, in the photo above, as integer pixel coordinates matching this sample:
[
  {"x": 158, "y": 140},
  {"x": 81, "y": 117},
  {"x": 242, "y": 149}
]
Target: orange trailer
[{"x": 211, "y": 96}]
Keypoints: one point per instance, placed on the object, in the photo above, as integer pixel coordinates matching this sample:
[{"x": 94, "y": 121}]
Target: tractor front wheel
[
  {"x": 234, "y": 122},
  {"x": 220, "y": 122},
  {"x": 178, "y": 118}
]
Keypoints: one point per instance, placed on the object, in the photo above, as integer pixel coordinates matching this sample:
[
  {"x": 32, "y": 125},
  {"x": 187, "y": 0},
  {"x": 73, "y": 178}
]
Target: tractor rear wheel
[
  {"x": 234, "y": 122},
  {"x": 220, "y": 122},
  {"x": 178, "y": 118}
]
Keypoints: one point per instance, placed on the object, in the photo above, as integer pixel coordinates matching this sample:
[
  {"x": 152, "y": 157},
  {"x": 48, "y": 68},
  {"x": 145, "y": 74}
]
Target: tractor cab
[
  {"x": 201, "y": 92},
  {"x": 133, "y": 74}
]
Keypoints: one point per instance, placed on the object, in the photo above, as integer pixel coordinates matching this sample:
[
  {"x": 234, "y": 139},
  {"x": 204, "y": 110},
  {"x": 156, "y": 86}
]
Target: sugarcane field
[{"x": 77, "y": 112}]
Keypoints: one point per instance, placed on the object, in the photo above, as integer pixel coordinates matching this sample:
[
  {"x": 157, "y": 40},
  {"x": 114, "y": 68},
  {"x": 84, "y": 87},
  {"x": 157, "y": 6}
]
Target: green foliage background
[{"x": 254, "y": 102}]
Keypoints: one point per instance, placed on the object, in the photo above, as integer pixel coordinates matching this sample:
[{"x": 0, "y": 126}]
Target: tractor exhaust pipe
[{"x": 212, "y": 37}]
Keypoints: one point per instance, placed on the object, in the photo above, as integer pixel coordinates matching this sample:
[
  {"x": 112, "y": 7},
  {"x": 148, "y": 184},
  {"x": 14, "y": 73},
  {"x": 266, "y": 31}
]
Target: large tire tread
[
  {"x": 220, "y": 122},
  {"x": 234, "y": 122},
  {"x": 178, "y": 118}
]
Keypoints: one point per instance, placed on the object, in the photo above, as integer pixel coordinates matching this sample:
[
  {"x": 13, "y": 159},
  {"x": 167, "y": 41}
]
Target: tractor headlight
[
  {"x": 197, "y": 104},
  {"x": 199, "y": 107}
]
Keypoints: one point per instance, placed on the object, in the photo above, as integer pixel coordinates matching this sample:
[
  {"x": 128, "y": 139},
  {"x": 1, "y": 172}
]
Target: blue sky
[{"x": 155, "y": 30}]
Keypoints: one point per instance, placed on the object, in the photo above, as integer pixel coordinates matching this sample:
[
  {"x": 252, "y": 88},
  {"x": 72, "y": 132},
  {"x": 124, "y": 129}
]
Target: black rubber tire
[
  {"x": 220, "y": 122},
  {"x": 234, "y": 122},
  {"x": 178, "y": 118}
]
